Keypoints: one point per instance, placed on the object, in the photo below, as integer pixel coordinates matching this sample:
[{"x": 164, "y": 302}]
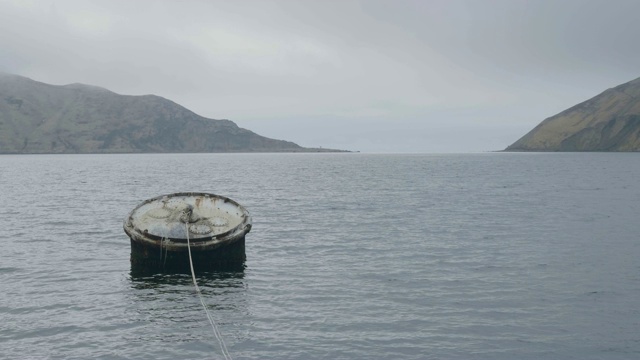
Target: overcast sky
[{"x": 374, "y": 76}]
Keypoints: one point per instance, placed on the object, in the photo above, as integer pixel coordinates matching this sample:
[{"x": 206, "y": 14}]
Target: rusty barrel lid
[{"x": 211, "y": 220}]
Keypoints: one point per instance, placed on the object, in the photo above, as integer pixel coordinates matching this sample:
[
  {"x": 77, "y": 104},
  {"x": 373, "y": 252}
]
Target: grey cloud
[{"x": 338, "y": 67}]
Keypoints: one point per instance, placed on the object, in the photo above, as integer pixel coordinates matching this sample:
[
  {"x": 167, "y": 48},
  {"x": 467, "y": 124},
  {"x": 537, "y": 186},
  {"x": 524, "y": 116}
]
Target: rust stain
[{"x": 198, "y": 201}]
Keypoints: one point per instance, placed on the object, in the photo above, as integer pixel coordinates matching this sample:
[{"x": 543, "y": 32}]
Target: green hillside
[
  {"x": 41, "y": 118},
  {"x": 607, "y": 122}
]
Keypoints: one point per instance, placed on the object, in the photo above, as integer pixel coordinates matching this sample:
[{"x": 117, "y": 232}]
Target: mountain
[
  {"x": 42, "y": 118},
  {"x": 607, "y": 122}
]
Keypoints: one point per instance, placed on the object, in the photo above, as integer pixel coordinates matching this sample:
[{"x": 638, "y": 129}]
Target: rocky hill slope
[
  {"x": 607, "y": 122},
  {"x": 41, "y": 118}
]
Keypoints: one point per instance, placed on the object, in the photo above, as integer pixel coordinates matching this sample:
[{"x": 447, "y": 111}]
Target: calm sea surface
[{"x": 351, "y": 256}]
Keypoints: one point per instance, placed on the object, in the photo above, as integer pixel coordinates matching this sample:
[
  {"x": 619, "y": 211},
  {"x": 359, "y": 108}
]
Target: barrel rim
[{"x": 231, "y": 235}]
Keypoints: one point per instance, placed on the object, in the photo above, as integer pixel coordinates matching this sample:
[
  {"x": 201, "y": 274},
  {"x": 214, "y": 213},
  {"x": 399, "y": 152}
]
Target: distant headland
[
  {"x": 607, "y": 122},
  {"x": 38, "y": 118}
]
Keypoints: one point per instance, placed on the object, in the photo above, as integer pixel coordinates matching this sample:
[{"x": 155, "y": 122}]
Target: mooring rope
[
  {"x": 216, "y": 332},
  {"x": 166, "y": 252}
]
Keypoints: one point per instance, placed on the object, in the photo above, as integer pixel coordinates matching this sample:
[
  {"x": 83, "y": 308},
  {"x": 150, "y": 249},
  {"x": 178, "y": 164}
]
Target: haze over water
[{"x": 351, "y": 256}]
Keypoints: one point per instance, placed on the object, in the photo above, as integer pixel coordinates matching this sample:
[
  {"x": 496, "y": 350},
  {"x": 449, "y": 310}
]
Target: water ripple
[{"x": 352, "y": 256}]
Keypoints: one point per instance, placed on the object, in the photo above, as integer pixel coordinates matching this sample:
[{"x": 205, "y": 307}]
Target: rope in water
[{"x": 216, "y": 332}]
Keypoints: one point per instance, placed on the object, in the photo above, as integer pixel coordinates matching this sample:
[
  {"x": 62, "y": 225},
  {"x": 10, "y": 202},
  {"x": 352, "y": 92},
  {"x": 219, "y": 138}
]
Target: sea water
[{"x": 351, "y": 256}]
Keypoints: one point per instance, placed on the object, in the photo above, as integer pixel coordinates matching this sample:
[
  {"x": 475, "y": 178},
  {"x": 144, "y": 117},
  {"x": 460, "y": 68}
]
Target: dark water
[{"x": 351, "y": 256}]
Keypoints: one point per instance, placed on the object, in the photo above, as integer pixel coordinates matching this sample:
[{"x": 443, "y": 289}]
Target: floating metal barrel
[{"x": 215, "y": 225}]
